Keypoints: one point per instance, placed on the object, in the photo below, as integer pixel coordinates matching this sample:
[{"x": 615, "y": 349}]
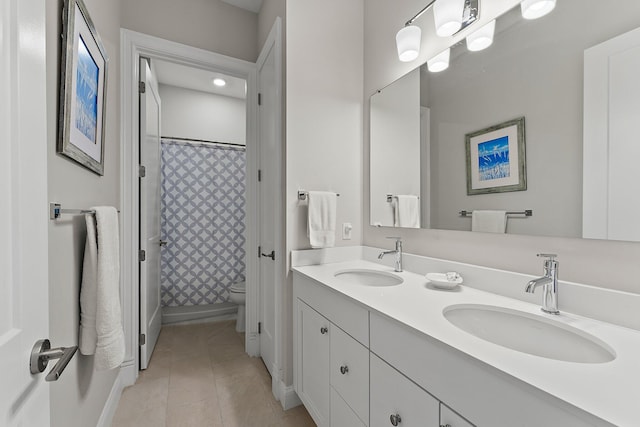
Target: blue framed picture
[
  {"x": 82, "y": 89},
  {"x": 496, "y": 158}
]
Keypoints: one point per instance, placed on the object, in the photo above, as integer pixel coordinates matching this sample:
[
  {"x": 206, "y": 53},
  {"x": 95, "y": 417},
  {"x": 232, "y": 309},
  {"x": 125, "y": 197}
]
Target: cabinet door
[
  {"x": 449, "y": 418},
  {"x": 395, "y": 400},
  {"x": 312, "y": 376},
  {"x": 341, "y": 414}
]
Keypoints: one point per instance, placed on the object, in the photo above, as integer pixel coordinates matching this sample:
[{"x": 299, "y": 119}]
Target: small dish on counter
[{"x": 444, "y": 280}]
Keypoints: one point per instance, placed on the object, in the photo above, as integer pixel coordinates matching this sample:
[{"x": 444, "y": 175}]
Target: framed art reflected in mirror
[{"x": 496, "y": 161}]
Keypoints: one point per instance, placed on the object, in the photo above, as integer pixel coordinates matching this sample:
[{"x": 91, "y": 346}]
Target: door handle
[
  {"x": 272, "y": 255},
  {"x": 42, "y": 353},
  {"x": 162, "y": 242}
]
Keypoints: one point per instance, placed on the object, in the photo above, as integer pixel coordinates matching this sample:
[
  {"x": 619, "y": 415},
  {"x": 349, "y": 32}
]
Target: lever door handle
[
  {"x": 42, "y": 353},
  {"x": 272, "y": 255},
  {"x": 162, "y": 242}
]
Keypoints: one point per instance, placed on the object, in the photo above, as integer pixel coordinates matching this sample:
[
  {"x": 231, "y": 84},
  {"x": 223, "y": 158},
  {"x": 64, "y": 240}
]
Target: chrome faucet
[
  {"x": 549, "y": 282},
  {"x": 397, "y": 252}
]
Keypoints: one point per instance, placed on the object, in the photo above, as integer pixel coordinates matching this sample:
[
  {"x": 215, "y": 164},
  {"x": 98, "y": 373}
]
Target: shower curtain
[{"x": 202, "y": 219}]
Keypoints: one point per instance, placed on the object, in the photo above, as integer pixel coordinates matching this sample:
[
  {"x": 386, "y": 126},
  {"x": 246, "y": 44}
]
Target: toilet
[{"x": 237, "y": 296}]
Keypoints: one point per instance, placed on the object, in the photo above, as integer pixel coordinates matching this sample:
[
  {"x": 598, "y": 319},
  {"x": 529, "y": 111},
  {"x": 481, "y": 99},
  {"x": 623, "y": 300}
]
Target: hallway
[{"x": 200, "y": 376}]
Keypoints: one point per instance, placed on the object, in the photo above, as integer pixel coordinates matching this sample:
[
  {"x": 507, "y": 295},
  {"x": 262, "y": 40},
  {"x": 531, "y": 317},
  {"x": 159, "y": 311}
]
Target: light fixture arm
[{"x": 470, "y": 14}]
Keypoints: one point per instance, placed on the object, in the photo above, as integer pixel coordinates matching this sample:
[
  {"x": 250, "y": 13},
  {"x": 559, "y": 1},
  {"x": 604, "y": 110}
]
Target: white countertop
[{"x": 610, "y": 391}]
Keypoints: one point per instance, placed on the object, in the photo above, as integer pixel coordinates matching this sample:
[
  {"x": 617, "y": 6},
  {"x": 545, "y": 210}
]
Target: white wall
[
  {"x": 193, "y": 114},
  {"x": 599, "y": 263},
  {"x": 324, "y": 121},
  {"x": 395, "y": 142},
  {"x": 78, "y": 398},
  {"x": 207, "y": 24}
]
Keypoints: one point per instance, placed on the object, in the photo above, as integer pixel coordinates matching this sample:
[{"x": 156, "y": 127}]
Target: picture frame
[
  {"x": 496, "y": 158},
  {"x": 83, "y": 88}
]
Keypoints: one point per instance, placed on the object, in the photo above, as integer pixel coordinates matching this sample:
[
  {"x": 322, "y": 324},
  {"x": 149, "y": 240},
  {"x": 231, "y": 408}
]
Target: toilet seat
[{"x": 239, "y": 287}]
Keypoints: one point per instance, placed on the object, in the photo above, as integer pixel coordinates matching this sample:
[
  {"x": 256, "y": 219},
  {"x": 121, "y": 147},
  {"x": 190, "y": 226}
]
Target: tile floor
[{"x": 200, "y": 376}]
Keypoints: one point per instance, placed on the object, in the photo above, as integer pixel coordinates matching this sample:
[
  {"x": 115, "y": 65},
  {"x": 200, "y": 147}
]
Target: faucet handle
[{"x": 551, "y": 257}]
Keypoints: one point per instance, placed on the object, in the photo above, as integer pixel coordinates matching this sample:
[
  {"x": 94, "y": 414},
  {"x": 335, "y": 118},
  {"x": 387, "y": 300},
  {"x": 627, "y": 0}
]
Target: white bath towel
[
  {"x": 489, "y": 221},
  {"x": 321, "y": 220},
  {"x": 406, "y": 211},
  {"x": 101, "y": 332}
]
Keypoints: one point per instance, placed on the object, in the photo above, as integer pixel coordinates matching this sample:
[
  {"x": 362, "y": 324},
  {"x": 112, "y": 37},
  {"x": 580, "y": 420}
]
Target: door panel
[
  {"x": 268, "y": 203},
  {"x": 24, "y": 281},
  {"x": 150, "y": 309}
]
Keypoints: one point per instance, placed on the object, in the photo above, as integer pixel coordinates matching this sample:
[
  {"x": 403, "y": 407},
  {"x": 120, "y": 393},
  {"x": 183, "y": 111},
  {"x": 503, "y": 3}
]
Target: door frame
[{"x": 133, "y": 45}]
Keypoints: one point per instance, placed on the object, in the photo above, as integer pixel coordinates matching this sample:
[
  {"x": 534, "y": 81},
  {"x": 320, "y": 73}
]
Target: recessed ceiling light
[{"x": 219, "y": 82}]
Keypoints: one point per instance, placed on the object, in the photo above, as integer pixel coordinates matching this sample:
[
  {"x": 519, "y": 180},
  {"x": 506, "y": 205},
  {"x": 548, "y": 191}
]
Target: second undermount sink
[
  {"x": 529, "y": 333},
  {"x": 369, "y": 277}
]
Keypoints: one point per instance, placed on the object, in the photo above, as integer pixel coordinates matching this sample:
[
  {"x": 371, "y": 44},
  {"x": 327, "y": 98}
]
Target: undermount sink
[
  {"x": 529, "y": 333},
  {"x": 369, "y": 277}
]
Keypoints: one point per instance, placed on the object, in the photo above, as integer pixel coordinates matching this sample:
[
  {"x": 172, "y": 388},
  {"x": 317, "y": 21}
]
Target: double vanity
[{"x": 377, "y": 347}]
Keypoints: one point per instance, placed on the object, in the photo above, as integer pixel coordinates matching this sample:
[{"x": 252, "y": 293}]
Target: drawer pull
[
  {"x": 344, "y": 369},
  {"x": 324, "y": 330},
  {"x": 395, "y": 419}
]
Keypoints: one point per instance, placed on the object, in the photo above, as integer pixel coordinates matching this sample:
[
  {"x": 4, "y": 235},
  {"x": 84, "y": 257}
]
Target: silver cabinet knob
[
  {"x": 344, "y": 369},
  {"x": 324, "y": 330},
  {"x": 395, "y": 419},
  {"x": 42, "y": 353}
]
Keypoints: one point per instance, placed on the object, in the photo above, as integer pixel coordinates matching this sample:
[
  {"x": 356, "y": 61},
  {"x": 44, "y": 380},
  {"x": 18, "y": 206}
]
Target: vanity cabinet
[
  {"x": 331, "y": 367},
  {"x": 448, "y": 418}
]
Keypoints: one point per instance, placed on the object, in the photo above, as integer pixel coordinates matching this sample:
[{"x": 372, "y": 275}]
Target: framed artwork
[
  {"x": 496, "y": 160},
  {"x": 83, "y": 84}
]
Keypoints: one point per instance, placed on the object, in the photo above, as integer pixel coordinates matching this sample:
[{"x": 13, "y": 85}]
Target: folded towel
[
  {"x": 489, "y": 221},
  {"x": 101, "y": 331},
  {"x": 321, "y": 220},
  {"x": 406, "y": 211}
]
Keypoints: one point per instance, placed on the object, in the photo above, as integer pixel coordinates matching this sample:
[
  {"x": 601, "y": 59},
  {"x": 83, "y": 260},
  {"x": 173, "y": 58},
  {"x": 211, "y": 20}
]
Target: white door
[
  {"x": 269, "y": 200},
  {"x": 150, "y": 243},
  {"x": 24, "y": 286},
  {"x": 611, "y": 177}
]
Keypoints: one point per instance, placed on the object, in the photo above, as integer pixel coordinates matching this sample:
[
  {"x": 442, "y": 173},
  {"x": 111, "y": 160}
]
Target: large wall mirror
[{"x": 573, "y": 76}]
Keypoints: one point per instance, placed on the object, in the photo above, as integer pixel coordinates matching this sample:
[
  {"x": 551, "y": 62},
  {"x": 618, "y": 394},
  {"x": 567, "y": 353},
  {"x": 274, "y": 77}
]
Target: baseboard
[
  {"x": 288, "y": 397},
  {"x": 111, "y": 405}
]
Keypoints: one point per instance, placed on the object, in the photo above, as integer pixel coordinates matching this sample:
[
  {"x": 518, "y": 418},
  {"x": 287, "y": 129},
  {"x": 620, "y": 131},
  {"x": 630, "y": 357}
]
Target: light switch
[{"x": 346, "y": 231}]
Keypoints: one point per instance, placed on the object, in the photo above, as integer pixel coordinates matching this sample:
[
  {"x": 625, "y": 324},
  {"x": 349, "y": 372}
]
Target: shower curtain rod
[{"x": 232, "y": 144}]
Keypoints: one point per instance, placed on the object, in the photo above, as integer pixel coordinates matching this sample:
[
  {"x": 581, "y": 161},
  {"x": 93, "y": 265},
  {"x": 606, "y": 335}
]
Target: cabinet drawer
[
  {"x": 451, "y": 419},
  {"x": 350, "y": 371},
  {"x": 397, "y": 401},
  {"x": 340, "y": 309},
  {"x": 341, "y": 414}
]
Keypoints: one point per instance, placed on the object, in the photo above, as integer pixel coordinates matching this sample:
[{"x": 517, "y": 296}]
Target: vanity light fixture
[
  {"x": 408, "y": 43},
  {"x": 440, "y": 62},
  {"x": 219, "y": 82},
  {"x": 534, "y": 9},
  {"x": 452, "y": 16},
  {"x": 482, "y": 38}
]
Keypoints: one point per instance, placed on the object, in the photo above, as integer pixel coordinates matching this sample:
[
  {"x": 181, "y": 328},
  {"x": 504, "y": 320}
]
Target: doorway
[{"x": 136, "y": 45}]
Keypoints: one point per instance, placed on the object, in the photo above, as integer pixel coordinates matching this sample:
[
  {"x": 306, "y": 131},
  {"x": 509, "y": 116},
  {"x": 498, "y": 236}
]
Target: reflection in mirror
[{"x": 539, "y": 70}]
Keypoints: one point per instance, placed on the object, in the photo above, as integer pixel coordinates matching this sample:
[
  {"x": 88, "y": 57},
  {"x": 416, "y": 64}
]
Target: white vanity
[{"x": 371, "y": 352}]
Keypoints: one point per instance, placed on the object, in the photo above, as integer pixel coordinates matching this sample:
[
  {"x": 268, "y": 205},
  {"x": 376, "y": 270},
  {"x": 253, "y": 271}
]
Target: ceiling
[
  {"x": 172, "y": 74},
  {"x": 250, "y": 5}
]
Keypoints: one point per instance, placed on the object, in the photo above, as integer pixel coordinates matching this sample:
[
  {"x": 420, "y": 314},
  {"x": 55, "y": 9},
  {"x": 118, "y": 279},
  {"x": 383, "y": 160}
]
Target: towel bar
[
  {"x": 302, "y": 194},
  {"x": 526, "y": 212},
  {"x": 391, "y": 196},
  {"x": 55, "y": 211}
]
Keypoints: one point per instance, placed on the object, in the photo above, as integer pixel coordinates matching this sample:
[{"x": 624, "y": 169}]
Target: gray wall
[
  {"x": 77, "y": 399},
  {"x": 208, "y": 24},
  {"x": 600, "y": 263}
]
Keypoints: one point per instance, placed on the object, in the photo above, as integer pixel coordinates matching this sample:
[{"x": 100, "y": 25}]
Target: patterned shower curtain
[{"x": 202, "y": 218}]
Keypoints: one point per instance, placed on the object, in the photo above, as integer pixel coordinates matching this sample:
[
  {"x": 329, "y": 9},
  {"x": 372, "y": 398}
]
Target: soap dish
[{"x": 444, "y": 280}]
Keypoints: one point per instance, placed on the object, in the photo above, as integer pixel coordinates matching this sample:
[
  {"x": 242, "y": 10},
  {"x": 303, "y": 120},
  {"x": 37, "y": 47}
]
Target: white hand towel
[
  {"x": 101, "y": 330},
  {"x": 321, "y": 220},
  {"x": 407, "y": 211},
  {"x": 489, "y": 221}
]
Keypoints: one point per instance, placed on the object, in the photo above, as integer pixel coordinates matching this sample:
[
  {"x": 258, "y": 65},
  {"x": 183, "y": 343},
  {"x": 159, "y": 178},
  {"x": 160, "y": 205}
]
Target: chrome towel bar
[
  {"x": 302, "y": 194},
  {"x": 55, "y": 211},
  {"x": 526, "y": 212}
]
